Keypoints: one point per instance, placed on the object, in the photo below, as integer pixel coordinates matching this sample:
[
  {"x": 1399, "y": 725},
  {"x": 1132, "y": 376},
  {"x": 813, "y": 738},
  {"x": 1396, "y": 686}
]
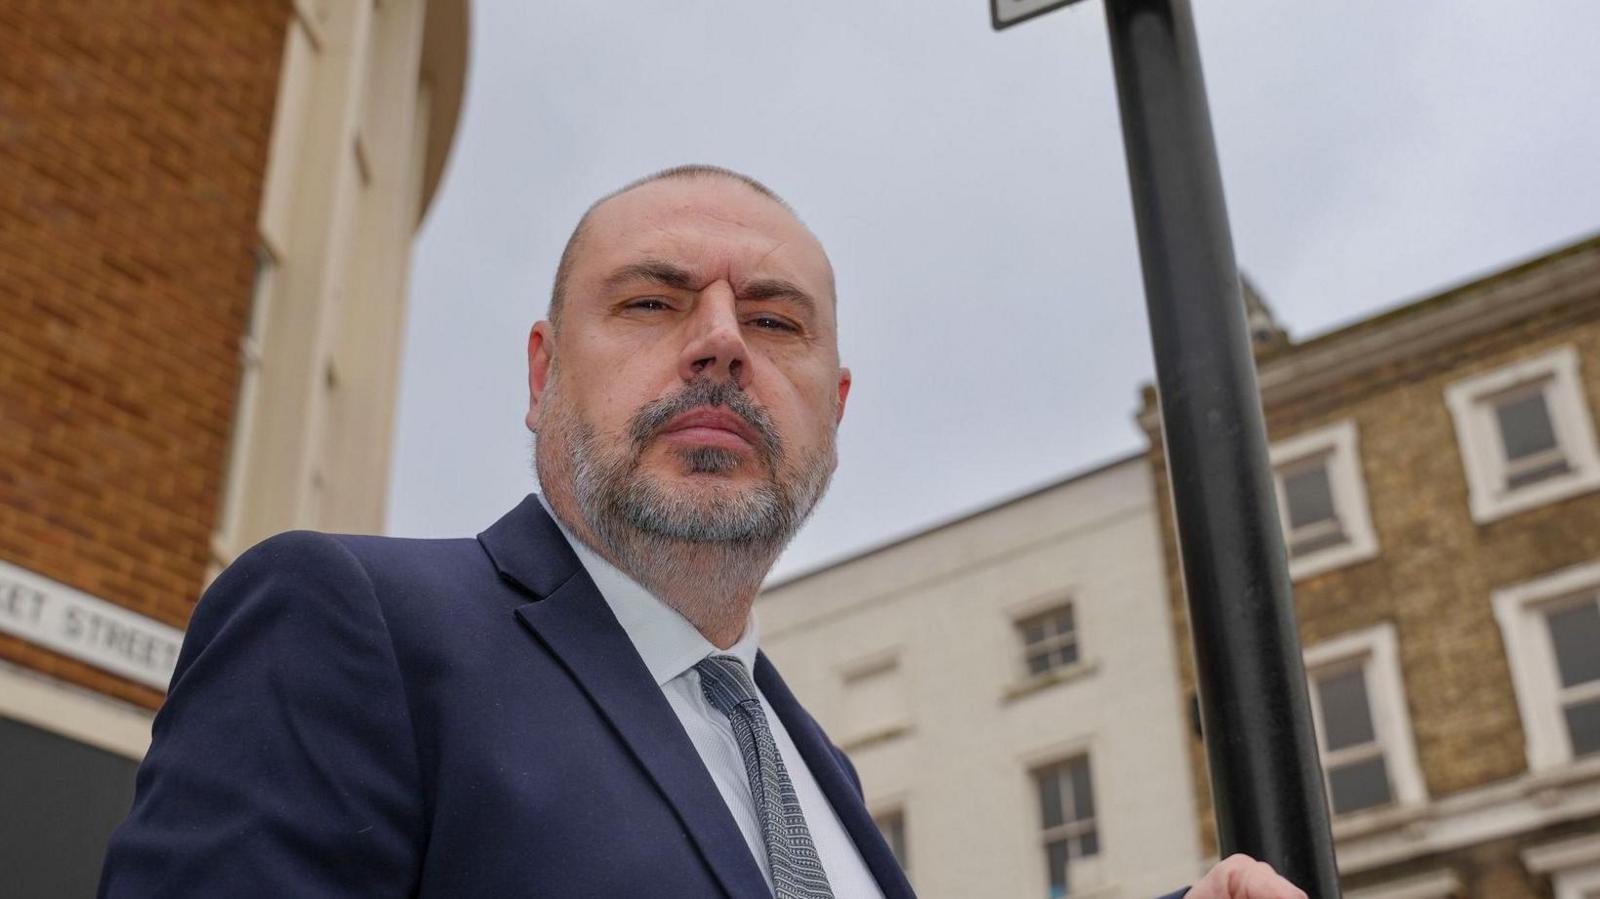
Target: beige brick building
[
  {"x": 1439, "y": 482},
  {"x": 206, "y": 215}
]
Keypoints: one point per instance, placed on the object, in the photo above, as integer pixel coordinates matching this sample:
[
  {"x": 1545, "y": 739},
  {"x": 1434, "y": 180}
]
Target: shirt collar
[{"x": 664, "y": 639}]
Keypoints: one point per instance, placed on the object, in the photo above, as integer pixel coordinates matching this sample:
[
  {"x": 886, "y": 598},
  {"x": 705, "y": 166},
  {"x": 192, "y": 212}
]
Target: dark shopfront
[{"x": 59, "y": 801}]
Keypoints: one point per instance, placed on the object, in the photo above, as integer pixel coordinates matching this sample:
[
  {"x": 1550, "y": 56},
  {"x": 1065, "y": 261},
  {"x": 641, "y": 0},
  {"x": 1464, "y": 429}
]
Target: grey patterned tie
[{"x": 796, "y": 870}]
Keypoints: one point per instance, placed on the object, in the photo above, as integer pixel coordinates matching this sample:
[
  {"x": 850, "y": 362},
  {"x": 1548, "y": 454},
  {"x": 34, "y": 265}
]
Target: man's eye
[
  {"x": 773, "y": 323},
  {"x": 648, "y": 303}
]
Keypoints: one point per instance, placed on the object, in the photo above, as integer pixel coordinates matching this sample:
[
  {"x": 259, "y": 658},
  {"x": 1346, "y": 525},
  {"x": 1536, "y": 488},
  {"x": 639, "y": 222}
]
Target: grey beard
[
  {"x": 759, "y": 517},
  {"x": 634, "y": 515}
]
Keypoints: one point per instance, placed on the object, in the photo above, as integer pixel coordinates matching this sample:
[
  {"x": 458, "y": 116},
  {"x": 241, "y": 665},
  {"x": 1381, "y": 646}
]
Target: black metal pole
[{"x": 1266, "y": 781}]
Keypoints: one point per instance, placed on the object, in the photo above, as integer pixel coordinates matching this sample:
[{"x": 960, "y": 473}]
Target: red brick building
[{"x": 200, "y": 204}]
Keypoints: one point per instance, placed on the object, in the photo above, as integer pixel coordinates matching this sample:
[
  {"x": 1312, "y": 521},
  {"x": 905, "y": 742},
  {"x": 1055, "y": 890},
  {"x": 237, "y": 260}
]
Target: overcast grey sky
[{"x": 971, "y": 190}]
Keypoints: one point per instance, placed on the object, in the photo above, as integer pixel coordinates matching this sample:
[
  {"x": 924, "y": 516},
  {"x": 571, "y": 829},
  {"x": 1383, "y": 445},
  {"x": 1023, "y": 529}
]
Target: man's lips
[{"x": 710, "y": 426}]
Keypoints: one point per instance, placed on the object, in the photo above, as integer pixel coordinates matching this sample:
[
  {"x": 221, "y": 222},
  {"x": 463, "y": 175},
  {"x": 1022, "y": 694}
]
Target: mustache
[{"x": 703, "y": 392}]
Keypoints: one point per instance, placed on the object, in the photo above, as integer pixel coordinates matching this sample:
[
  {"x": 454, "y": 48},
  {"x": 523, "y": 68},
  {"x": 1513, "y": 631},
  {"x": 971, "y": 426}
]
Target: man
[{"x": 574, "y": 703}]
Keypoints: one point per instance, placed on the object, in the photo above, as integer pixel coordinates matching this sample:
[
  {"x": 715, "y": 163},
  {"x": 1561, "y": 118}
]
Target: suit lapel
[
  {"x": 834, "y": 782},
  {"x": 574, "y": 623}
]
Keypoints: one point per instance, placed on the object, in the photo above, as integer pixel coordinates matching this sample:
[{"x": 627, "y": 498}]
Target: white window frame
[
  {"x": 1483, "y": 454},
  {"x": 1520, "y": 610},
  {"x": 1091, "y": 868},
  {"x": 1573, "y": 865},
  {"x": 1376, "y": 651},
  {"x": 1050, "y": 644},
  {"x": 1339, "y": 445}
]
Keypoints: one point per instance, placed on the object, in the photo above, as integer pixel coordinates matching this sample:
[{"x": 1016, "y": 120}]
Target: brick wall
[
  {"x": 133, "y": 140},
  {"x": 1436, "y": 568}
]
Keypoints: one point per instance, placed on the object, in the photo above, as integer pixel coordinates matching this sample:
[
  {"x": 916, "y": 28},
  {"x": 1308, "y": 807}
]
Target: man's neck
[{"x": 712, "y": 585}]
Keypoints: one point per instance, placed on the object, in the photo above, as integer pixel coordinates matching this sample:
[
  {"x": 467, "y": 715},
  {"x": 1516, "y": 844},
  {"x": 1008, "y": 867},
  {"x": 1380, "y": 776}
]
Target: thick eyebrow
[
  {"x": 666, "y": 274},
  {"x": 776, "y": 289},
  {"x": 654, "y": 271}
]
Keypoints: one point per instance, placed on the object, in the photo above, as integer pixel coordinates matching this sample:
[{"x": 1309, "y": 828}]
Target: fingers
[{"x": 1242, "y": 877}]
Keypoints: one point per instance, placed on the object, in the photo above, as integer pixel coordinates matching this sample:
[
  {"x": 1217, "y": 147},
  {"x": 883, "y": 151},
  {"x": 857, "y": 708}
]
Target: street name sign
[
  {"x": 85, "y": 627},
  {"x": 1005, "y": 13}
]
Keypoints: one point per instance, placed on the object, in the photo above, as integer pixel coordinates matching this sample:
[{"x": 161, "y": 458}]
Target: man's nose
[{"x": 716, "y": 347}]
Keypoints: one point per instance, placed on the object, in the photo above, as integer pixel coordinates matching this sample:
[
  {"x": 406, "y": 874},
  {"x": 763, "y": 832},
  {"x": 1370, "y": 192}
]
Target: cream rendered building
[
  {"x": 368, "y": 100},
  {"x": 1005, "y": 685}
]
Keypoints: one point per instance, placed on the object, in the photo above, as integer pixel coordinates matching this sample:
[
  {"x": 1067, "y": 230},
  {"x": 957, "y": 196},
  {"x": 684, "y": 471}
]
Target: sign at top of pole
[{"x": 1005, "y": 13}]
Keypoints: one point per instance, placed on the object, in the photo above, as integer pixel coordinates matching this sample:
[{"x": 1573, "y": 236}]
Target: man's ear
[
  {"x": 538, "y": 370},
  {"x": 844, "y": 393}
]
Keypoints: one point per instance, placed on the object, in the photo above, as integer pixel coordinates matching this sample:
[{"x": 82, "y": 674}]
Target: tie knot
[{"x": 726, "y": 684}]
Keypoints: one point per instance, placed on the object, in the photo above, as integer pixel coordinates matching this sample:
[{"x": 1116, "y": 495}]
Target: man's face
[{"x": 694, "y": 388}]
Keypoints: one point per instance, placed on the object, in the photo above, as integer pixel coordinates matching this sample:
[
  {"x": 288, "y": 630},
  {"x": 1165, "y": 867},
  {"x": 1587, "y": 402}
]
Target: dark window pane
[
  {"x": 1065, "y": 656},
  {"x": 1050, "y": 811},
  {"x": 1063, "y": 620},
  {"x": 1525, "y": 426},
  {"x": 59, "y": 802},
  {"x": 1045, "y": 625},
  {"x": 1082, "y": 791},
  {"x": 1583, "y": 723},
  {"x": 1309, "y": 495},
  {"x": 1039, "y": 664},
  {"x": 1575, "y": 633},
  {"x": 1032, "y": 631},
  {"x": 1346, "y": 717},
  {"x": 1055, "y": 859},
  {"x": 1358, "y": 785},
  {"x": 1090, "y": 843}
]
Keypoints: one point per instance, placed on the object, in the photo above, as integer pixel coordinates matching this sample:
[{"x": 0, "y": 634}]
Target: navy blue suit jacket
[{"x": 375, "y": 717}]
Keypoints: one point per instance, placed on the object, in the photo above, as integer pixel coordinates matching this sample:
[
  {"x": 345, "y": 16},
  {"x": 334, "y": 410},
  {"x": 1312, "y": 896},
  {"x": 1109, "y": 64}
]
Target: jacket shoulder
[
  {"x": 286, "y": 739},
  {"x": 378, "y": 560}
]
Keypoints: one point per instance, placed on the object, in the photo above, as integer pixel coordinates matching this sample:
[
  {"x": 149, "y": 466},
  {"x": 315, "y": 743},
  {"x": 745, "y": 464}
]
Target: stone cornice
[
  {"x": 1568, "y": 276},
  {"x": 1389, "y": 836}
]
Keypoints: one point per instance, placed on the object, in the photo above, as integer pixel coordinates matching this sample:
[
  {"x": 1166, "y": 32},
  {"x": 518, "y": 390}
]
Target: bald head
[{"x": 570, "y": 252}]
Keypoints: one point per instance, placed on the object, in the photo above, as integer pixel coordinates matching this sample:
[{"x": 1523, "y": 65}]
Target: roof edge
[{"x": 959, "y": 518}]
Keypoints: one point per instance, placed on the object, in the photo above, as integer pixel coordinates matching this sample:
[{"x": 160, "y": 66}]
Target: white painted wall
[{"x": 954, "y": 740}]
